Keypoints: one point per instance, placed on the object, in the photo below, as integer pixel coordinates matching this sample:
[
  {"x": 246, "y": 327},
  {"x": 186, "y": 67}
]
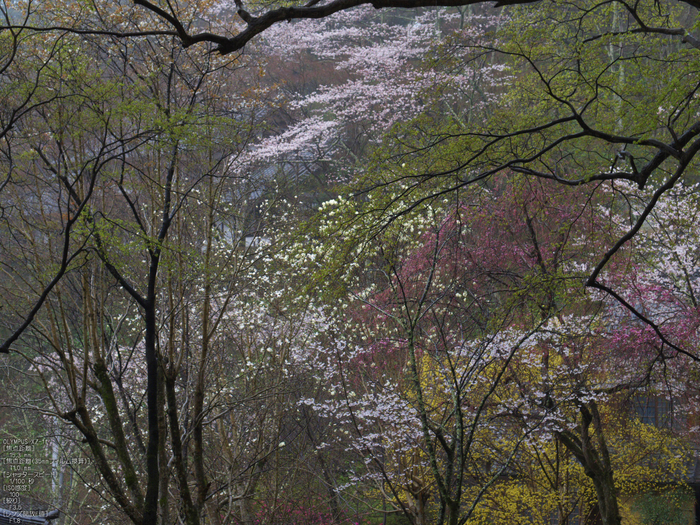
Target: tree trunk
[
  {"x": 595, "y": 461},
  {"x": 150, "y": 508}
]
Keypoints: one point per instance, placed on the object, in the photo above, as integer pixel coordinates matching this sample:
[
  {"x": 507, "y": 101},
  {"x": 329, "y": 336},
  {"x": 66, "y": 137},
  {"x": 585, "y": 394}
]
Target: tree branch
[{"x": 258, "y": 24}]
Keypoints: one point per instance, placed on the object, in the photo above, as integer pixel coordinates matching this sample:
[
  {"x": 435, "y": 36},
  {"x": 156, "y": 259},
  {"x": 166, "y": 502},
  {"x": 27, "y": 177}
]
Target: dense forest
[{"x": 350, "y": 263}]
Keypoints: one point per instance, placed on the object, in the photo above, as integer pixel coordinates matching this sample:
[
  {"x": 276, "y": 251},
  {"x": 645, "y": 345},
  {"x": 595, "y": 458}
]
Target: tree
[
  {"x": 419, "y": 416},
  {"x": 124, "y": 182}
]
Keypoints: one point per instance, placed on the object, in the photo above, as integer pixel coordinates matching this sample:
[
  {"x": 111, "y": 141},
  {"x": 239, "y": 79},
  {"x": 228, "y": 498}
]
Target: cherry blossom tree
[{"x": 381, "y": 74}]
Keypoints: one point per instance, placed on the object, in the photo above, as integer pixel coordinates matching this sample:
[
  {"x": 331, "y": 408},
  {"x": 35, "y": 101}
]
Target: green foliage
[{"x": 672, "y": 507}]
